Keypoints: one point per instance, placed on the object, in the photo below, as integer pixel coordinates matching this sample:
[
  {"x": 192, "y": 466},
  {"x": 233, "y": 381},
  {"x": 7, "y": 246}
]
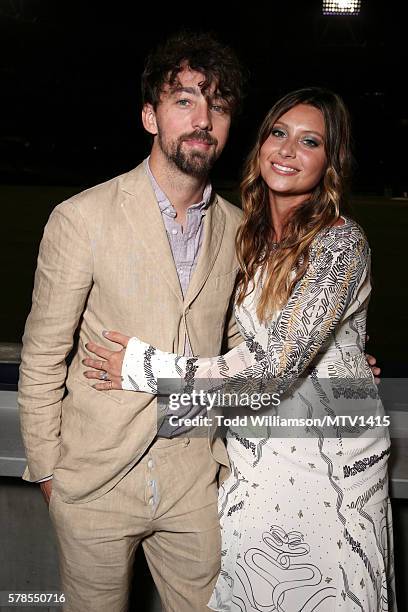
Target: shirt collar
[{"x": 164, "y": 203}]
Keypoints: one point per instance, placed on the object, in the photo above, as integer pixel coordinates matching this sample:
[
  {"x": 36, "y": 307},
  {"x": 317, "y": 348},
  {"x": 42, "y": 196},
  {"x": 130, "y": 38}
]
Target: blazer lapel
[
  {"x": 143, "y": 214},
  {"x": 214, "y": 224}
]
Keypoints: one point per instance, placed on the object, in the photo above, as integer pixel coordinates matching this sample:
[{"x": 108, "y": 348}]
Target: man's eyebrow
[
  {"x": 191, "y": 90},
  {"x": 195, "y": 91}
]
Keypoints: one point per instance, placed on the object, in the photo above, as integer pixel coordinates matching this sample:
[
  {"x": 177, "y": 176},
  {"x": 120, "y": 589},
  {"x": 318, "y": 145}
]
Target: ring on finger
[{"x": 103, "y": 375}]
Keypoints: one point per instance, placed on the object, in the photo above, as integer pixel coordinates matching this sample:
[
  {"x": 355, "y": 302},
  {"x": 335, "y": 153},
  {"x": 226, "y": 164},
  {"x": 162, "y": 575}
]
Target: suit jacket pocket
[
  {"x": 114, "y": 395},
  {"x": 222, "y": 282}
]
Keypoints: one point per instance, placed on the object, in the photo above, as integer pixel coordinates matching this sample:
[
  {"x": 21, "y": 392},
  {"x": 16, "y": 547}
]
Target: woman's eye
[
  {"x": 218, "y": 108},
  {"x": 309, "y": 142},
  {"x": 183, "y": 102},
  {"x": 278, "y": 133}
]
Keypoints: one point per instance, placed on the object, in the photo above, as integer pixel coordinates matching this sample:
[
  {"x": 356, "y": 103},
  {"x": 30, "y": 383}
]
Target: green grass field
[{"x": 26, "y": 209}]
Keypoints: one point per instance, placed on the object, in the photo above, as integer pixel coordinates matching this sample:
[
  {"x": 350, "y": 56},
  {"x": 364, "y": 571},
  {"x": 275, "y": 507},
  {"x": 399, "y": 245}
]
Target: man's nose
[{"x": 202, "y": 116}]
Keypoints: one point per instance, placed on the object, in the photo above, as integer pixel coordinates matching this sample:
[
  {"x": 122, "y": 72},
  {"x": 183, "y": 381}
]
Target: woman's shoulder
[{"x": 348, "y": 236}]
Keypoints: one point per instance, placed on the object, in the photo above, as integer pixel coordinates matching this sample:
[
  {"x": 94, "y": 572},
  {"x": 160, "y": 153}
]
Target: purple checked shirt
[{"x": 184, "y": 242}]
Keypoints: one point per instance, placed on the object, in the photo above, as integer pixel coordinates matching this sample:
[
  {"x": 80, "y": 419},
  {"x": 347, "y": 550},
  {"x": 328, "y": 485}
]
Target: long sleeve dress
[{"x": 306, "y": 520}]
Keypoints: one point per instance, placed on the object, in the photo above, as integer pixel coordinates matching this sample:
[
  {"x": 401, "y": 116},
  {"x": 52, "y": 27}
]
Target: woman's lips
[{"x": 283, "y": 169}]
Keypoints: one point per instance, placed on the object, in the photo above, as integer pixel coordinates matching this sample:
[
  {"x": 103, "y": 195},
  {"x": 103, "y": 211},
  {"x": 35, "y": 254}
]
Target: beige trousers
[{"x": 167, "y": 502}]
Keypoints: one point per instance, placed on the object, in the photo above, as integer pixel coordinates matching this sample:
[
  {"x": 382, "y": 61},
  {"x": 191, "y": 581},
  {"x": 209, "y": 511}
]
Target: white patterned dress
[{"x": 306, "y": 521}]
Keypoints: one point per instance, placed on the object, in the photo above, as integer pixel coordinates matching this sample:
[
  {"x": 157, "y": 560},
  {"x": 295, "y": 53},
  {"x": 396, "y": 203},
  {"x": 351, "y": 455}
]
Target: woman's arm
[{"x": 282, "y": 350}]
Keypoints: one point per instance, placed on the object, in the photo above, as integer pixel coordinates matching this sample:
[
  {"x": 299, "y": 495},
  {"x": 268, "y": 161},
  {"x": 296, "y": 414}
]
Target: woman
[{"x": 306, "y": 523}]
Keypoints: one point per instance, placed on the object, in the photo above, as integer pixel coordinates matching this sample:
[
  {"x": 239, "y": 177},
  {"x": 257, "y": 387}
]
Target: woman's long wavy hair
[{"x": 282, "y": 267}]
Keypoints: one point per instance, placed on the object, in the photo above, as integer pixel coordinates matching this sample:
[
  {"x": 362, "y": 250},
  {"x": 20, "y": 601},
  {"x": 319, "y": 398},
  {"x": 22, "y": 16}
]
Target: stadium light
[{"x": 341, "y": 7}]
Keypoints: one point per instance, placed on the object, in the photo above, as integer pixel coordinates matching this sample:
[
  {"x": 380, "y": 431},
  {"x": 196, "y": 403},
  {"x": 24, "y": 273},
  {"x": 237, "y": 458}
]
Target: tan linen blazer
[{"x": 105, "y": 263}]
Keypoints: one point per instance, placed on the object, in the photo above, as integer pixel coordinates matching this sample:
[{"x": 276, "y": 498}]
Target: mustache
[{"x": 201, "y": 136}]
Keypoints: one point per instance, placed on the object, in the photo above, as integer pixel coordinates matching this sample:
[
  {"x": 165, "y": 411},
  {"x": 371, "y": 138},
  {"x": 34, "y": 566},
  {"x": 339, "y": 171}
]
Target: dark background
[
  {"x": 70, "y": 76},
  {"x": 70, "y": 118}
]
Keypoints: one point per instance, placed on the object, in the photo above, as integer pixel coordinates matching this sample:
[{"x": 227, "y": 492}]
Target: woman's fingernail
[{"x": 105, "y": 332}]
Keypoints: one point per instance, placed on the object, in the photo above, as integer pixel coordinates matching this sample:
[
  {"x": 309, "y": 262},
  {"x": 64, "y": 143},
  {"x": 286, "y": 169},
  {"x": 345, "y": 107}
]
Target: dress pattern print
[{"x": 306, "y": 521}]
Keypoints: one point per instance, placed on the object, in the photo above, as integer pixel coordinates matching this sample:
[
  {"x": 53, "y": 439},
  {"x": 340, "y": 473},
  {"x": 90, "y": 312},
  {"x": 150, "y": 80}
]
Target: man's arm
[{"x": 62, "y": 282}]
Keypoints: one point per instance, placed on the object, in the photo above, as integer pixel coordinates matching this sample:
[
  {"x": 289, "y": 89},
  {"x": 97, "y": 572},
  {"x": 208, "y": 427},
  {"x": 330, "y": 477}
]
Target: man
[{"x": 151, "y": 253}]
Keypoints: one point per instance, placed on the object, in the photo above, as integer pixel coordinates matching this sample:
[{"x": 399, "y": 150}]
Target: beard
[{"x": 193, "y": 163}]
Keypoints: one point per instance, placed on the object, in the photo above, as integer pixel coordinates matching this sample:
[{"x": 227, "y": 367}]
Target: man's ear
[{"x": 149, "y": 119}]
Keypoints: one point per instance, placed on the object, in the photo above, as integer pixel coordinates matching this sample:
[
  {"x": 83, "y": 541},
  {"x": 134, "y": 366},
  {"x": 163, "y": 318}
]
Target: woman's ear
[{"x": 149, "y": 119}]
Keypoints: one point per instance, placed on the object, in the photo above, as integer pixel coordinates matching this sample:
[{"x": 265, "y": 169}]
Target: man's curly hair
[{"x": 201, "y": 52}]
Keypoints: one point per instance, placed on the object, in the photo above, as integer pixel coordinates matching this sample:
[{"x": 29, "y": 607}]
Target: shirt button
[
  {"x": 174, "y": 232},
  {"x": 150, "y": 463}
]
